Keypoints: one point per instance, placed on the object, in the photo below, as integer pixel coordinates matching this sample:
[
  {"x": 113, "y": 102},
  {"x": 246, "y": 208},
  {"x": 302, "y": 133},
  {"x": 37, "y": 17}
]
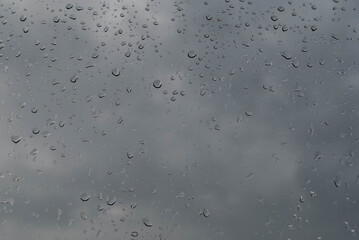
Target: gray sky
[{"x": 252, "y": 133}]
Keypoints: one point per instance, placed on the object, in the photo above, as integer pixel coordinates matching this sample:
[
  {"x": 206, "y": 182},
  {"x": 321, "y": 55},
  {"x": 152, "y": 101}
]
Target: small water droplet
[
  {"x": 23, "y": 18},
  {"x": 111, "y": 201},
  {"x": 205, "y": 212},
  {"x": 280, "y": 8},
  {"x": 116, "y": 72},
  {"x": 35, "y": 130},
  {"x": 134, "y": 234},
  {"x": 85, "y": 197},
  {"x": 191, "y": 54},
  {"x": 74, "y": 78},
  {"x": 286, "y": 55},
  {"x": 274, "y": 18},
  {"x": 157, "y": 83},
  {"x": 147, "y": 222},
  {"x": 100, "y": 207},
  {"x": 34, "y": 152},
  {"x": 130, "y": 155},
  {"x": 15, "y": 139},
  {"x": 69, "y": 6},
  {"x": 337, "y": 182}
]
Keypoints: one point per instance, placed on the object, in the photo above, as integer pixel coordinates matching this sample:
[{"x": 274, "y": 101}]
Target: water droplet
[
  {"x": 34, "y": 152},
  {"x": 23, "y": 18},
  {"x": 314, "y": 28},
  {"x": 35, "y": 130},
  {"x": 15, "y": 139},
  {"x": 100, "y": 207},
  {"x": 134, "y": 234},
  {"x": 74, "y": 78},
  {"x": 280, "y": 8},
  {"x": 157, "y": 83},
  {"x": 130, "y": 155},
  {"x": 337, "y": 182},
  {"x": 7, "y": 200},
  {"x": 274, "y": 18},
  {"x": 205, "y": 212},
  {"x": 286, "y": 55},
  {"x": 85, "y": 197},
  {"x": 69, "y": 6},
  {"x": 34, "y": 110},
  {"x": 191, "y": 54},
  {"x": 56, "y": 19},
  {"x": 111, "y": 201},
  {"x": 248, "y": 114},
  {"x": 147, "y": 222},
  {"x": 116, "y": 72}
]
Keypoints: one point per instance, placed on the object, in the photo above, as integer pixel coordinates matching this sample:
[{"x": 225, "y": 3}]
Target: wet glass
[{"x": 228, "y": 119}]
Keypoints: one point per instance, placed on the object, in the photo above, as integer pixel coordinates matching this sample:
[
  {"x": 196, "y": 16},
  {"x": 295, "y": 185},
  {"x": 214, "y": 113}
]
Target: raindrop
[
  {"x": 23, "y": 18},
  {"x": 147, "y": 222},
  {"x": 34, "y": 110},
  {"x": 116, "y": 72},
  {"x": 274, "y": 18},
  {"x": 100, "y": 207},
  {"x": 157, "y": 83},
  {"x": 69, "y": 6},
  {"x": 286, "y": 55},
  {"x": 35, "y": 130},
  {"x": 130, "y": 155},
  {"x": 337, "y": 182},
  {"x": 191, "y": 54},
  {"x": 280, "y": 9},
  {"x": 85, "y": 197},
  {"x": 111, "y": 201},
  {"x": 134, "y": 234},
  {"x": 15, "y": 139},
  {"x": 74, "y": 78},
  {"x": 34, "y": 152},
  {"x": 205, "y": 212}
]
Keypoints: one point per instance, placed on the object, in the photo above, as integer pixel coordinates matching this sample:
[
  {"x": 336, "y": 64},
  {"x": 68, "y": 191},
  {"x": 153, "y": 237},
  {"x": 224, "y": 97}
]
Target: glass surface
[{"x": 172, "y": 120}]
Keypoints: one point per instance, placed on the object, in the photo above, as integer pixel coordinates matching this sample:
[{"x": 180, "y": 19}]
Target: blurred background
[{"x": 169, "y": 120}]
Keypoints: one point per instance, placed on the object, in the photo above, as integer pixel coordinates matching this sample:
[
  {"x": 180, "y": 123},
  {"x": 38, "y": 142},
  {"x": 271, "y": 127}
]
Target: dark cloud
[{"x": 251, "y": 134}]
